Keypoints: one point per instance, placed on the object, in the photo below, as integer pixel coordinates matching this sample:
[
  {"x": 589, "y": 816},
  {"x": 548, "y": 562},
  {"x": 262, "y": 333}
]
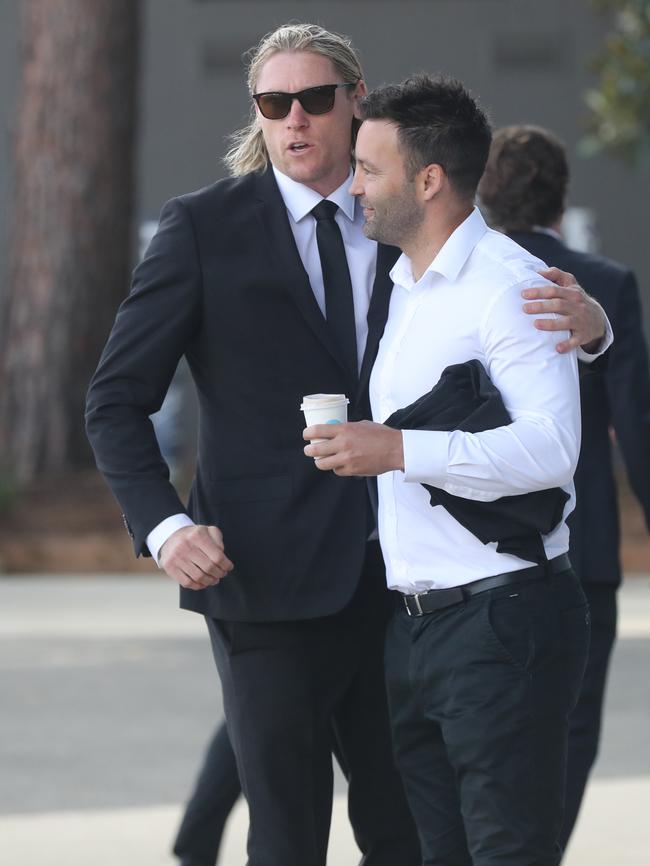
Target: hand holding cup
[{"x": 324, "y": 409}]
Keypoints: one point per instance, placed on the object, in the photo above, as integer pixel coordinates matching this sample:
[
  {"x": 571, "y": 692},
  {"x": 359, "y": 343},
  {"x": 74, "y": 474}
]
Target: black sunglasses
[{"x": 274, "y": 105}]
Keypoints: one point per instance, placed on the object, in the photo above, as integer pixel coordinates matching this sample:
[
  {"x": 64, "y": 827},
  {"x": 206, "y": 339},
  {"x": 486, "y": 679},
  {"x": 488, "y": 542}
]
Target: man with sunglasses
[{"x": 268, "y": 285}]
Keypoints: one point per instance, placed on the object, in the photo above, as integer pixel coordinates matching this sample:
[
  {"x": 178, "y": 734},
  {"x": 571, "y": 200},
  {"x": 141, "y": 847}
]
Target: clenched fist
[{"x": 194, "y": 557}]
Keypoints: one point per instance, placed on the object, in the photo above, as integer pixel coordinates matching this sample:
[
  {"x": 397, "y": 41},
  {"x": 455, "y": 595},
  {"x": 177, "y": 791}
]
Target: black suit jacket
[
  {"x": 617, "y": 395},
  {"x": 222, "y": 282},
  {"x": 465, "y": 398}
]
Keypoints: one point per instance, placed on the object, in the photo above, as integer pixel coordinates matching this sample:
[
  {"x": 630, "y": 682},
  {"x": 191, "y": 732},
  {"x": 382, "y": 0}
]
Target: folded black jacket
[{"x": 465, "y": 399}]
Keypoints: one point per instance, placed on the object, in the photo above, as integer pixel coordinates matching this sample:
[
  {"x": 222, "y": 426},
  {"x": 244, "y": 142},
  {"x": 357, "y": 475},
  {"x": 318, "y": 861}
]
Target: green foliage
[{"x": 619, "y": 119}]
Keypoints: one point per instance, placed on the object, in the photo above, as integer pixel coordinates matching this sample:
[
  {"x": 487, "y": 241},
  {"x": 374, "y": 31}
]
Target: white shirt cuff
[
  {"x": 426, "y": 455},
  {"x": 605, "y": 343},
  {"x": 159, "y": 534}
]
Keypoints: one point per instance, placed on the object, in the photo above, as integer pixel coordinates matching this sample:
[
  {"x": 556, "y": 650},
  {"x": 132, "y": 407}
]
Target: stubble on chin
[
  {"x": 367, "y": 230},
  {"x": 370, "y": 231},
  {"x": 378, "y": 233}
]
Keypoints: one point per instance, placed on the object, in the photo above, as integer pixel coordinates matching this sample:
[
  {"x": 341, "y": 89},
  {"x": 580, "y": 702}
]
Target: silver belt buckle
[{"x": 420, "y": 612}]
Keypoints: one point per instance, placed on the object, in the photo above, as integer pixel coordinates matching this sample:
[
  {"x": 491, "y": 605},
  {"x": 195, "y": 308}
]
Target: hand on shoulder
[{"x": 575, "y": 311}]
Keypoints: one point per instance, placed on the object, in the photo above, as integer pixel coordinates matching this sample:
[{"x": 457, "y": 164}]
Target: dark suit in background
[
  {"x": 616, "y": 395},
  {"x": 216, "y": 790},
  {"x": 297, "y": 628}
]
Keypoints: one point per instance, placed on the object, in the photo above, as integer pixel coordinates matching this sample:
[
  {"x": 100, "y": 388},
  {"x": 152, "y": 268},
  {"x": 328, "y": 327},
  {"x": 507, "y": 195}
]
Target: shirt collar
[
  {"x": 545, "y": 230},
  {"x": 450, "y": 259},
  {"x": 300, "y": 199}
]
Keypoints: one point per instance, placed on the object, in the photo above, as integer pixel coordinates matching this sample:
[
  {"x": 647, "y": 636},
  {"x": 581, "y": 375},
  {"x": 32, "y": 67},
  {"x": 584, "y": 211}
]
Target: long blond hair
[{"x": 248, "y": 151}]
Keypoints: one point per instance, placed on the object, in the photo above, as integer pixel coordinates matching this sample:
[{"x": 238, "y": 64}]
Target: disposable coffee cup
[{"x": 324, "y": 409}]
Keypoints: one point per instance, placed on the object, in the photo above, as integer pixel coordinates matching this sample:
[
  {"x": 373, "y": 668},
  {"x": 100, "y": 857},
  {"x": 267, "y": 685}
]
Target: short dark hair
[
  {"x": 525, "y": 180},
  {"x": 438, "y": 122}
]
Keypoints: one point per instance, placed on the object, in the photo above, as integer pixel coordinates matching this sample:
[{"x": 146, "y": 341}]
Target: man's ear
[
  {"x": 358, "y": 93},
  {"x": 432, "y": 178}
]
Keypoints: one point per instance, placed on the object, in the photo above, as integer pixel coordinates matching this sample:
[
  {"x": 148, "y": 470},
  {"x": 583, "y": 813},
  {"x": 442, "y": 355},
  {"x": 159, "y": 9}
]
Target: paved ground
[{"x": 109, "y": 697}]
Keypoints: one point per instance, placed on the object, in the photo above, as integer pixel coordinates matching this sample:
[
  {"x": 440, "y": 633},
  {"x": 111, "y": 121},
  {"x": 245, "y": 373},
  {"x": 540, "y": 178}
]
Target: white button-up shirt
[{"x": 468, "y": 305}]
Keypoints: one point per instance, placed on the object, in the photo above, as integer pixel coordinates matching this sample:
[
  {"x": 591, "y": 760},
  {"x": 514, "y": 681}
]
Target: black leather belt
[{"x": 436, "y": 599}]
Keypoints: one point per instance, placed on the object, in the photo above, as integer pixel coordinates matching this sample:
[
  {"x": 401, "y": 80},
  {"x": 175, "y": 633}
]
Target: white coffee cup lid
[{"x": 322, "y": 401}]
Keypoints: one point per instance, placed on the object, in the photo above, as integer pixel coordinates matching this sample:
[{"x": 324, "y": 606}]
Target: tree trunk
[{"x": 71, "y": 224}]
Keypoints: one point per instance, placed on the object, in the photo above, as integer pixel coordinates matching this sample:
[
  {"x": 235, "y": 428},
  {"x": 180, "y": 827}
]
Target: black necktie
[{"x": 339, "y": 304}]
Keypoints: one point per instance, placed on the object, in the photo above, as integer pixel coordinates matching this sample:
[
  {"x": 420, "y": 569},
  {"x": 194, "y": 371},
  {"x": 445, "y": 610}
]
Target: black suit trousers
[
  {"x": 480, "y": 695},
  {"x": 215, "y": 793},
  {"x": 586, "y": 718},
  {"x": 293, "y": 691}
]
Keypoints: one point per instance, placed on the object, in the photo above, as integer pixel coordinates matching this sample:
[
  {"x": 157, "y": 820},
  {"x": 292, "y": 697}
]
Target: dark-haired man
[
  {"x": 486, "y": 650},
  {"x": 524, "y": 192}
]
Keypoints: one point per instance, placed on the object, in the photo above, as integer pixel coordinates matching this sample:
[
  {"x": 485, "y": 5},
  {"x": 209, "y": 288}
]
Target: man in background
[{"x": 524, "y": 192}]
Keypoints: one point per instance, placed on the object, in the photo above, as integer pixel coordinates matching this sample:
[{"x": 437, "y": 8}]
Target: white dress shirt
[
  {"x": 468, "y": 305},
  {"x": 360, "y": 251},
  {"x": 362, "y": 262}
]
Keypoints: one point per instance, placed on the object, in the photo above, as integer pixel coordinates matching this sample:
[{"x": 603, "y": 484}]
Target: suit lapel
[
  {"x": 283, "y": 248},
  {"x": 378, "y": 310}
]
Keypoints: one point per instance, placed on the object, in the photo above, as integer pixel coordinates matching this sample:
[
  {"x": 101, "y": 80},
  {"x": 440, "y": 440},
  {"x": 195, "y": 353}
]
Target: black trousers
[
  {"x": 294, "y": 690},
  {"x": 480, "y": 695},
  {"x": 215, "y": 793},
  {"x": 585, "y": 720}
]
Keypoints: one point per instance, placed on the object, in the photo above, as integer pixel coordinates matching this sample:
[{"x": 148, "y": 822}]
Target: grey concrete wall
[{"x": 527, "y": 61}]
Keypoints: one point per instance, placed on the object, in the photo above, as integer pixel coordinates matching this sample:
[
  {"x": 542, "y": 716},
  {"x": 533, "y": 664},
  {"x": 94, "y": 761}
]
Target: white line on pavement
[{"x": 612, "y": 831}]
